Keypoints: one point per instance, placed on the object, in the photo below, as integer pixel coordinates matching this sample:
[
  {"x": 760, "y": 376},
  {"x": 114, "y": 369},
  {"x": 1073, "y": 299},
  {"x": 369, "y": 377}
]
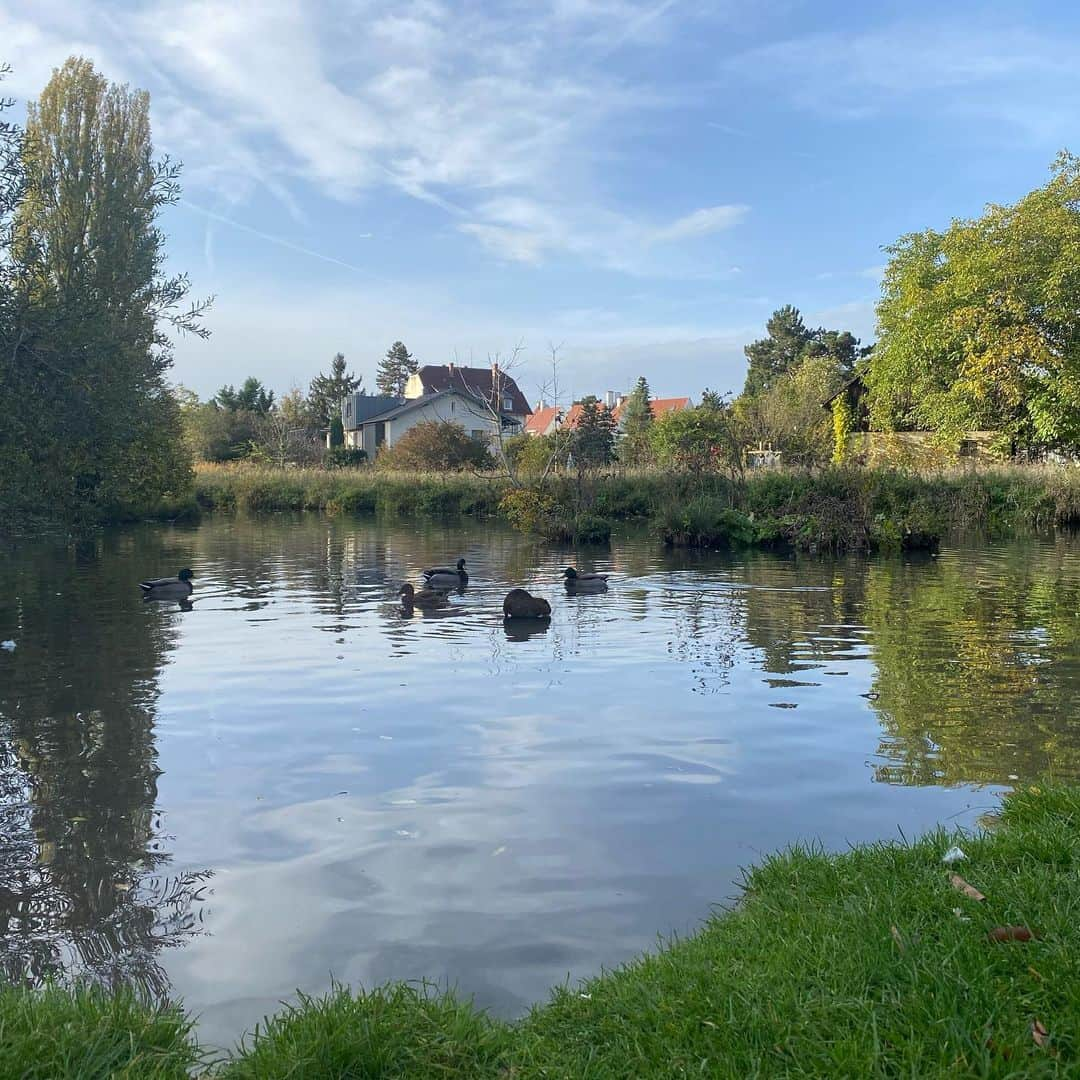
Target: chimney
[
  {"x": 609, "y": 399},
  {"x": 450, "y": 366},
  {"x": 541, "y": 404}
]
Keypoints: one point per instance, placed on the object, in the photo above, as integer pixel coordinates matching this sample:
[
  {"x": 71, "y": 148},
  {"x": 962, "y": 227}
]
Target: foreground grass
[
  {"x": 868, "y": 963},
  {"x": 54, "y": 1033},
  {"x": 830, "y": 509}
]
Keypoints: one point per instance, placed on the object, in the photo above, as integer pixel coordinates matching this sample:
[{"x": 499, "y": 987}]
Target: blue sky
[{"x": 638, "y": 181}]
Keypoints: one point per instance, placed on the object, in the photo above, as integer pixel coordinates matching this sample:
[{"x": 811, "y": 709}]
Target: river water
[{"x": 294, "y": 781}]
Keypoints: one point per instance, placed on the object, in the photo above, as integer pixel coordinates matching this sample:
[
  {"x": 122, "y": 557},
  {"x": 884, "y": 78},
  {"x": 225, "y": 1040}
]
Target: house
[
  {"x": 462, "y": 396},
  {"x": 484, "y": 384}
]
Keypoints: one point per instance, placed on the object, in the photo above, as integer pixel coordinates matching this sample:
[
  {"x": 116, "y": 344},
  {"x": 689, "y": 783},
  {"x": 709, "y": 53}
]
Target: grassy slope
[{"x": 849, "y": 965}]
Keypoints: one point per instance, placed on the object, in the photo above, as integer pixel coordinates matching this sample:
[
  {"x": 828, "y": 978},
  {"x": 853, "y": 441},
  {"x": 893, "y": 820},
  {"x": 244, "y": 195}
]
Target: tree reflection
[
  {"x": 978, "y": 666},
  {"x": 83, "y": 885}
]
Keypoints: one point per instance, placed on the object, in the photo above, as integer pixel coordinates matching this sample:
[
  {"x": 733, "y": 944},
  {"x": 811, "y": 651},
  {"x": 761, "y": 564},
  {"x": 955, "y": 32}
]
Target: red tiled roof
[
  {"x": 541, "y": 420},
  {"x": 470, "y": 380},
  {"x": 659, "y": 406}
]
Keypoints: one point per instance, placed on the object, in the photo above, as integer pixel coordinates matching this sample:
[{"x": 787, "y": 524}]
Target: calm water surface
[{"x": 294, "y": 780}]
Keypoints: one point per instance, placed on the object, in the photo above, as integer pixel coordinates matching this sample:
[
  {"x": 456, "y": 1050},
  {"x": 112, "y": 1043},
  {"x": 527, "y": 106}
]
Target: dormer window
[{"x": 508, "y": 404}]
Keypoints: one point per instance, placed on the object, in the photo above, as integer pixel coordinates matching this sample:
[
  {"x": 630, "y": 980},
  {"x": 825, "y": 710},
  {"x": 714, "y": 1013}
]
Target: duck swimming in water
[
  {"x": 446, "y": 577},
  {"x": 168, "y": 588},
  {"x": 424, "y": 598},
  {"x": 575, "y": 580}
]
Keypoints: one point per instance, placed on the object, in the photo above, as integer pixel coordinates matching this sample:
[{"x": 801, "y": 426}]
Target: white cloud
[
  {"x": 467, "y": 108},
  {"x": 709, "y": 219},
  {"x": 519, "y": 229}
]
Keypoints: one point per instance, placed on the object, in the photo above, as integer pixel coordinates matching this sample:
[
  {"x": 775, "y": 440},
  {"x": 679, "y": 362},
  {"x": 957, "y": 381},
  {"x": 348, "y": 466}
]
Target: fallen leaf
[
  {"x": 1035, "y": 973},
  {"x": 957, "y": 882},
  {"x": 1010, "y": 933},
  {"x": 1039, "y": 1033},
  {"x": 897, "y": 938}
]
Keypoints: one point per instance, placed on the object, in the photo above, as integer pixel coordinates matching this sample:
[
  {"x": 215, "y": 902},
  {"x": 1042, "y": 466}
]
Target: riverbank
[
  {"x": 869, "y": 962},
  {"x": 828, "y": 509}
]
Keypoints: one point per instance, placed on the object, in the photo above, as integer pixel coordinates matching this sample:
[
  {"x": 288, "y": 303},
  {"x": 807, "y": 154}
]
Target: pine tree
[
  {"x": 328, "y": 391},
  {"x": 637, "y": 418},
  {"x": 593, "y": 440},
  {"x": 394, "y": 370},
  {"x": 777, "y": 353}
]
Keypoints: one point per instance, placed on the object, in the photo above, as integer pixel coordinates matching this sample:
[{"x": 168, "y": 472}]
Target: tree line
[
  {"x": 978, "y": 329},
  {"x": 299, "y": 429}
]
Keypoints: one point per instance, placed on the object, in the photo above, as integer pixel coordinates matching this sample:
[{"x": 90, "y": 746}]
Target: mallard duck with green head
[{"x": 168, "y": 588}]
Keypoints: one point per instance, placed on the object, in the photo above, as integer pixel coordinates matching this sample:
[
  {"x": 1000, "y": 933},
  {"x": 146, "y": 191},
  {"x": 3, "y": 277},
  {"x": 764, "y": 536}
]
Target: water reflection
[
  {"x": 84, "y": 882},
  {"x": 392, "y": 794}
]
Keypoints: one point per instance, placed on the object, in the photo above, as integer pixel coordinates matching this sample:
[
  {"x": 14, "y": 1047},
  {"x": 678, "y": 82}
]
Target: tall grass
[{"x": 839, "y": 508}]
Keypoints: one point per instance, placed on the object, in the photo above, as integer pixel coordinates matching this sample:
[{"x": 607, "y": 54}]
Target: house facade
[{"x": 447, "y": 394}]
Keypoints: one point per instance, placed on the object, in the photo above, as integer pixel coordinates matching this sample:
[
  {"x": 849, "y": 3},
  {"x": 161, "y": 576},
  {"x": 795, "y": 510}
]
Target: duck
[
  {"x": 575, "y": 580},
  {"x": 424, "y": 598},
  {"x": 445, "y": 576},
  {"x": 520, "y": 604},
  {"x": 168, "y": 588}
]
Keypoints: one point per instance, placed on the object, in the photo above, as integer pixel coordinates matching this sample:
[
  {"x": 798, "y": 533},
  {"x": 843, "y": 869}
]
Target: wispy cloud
[
  {"x": 991, "y": 67},
  {"x": 354, "y": 96}
]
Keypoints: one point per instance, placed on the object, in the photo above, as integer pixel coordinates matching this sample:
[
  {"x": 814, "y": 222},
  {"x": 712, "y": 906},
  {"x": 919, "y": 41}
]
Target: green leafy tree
[
  {"x": 90, "y": 424},
  {"x": 698, "y": 439},
  {"x": 296, "y": 410},
  {"x": 637, "y": 419},
  {"x": 978, "y": 324},
  {"x": 437, "y": 446},
  {"x": 216, "y": 434},
  {"x": 252, "y": 397},
  {"x": 592, "y": 441},
  {"x": 790, "y": 415},
  {"x": 328, "y": 391},
  {"x": 394, "y": 370}
]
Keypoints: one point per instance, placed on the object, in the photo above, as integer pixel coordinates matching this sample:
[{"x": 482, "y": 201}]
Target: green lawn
[{"x": 861, "y": 964}]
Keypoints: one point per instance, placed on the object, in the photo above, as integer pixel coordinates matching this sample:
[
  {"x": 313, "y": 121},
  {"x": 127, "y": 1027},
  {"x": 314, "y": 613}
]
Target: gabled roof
[
  {"x": 357, "y": 408},
  {"x": 437, "y": 378},
  {"x": 542, "y": 419},
  {"x": 402, "y": 406},
  {"x": 658, "y": 406}
]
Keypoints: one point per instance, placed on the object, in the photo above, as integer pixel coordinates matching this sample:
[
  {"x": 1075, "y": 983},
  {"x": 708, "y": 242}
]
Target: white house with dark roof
[{"x": 447, "y": 394}]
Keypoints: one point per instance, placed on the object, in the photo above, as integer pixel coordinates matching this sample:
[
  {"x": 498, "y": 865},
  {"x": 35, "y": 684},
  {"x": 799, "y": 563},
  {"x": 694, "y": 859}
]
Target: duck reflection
[{"x": 523, "y": 629}]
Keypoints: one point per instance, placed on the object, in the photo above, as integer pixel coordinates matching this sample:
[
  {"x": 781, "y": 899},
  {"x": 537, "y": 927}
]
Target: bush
[
  {"x": 344, "y": 457},
  {"x": 706, "y": 522},
  {"x": 439, "y": 446}
]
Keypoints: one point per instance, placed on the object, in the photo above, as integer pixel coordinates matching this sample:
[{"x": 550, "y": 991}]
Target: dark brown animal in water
[{"x": 522, "y": 605}]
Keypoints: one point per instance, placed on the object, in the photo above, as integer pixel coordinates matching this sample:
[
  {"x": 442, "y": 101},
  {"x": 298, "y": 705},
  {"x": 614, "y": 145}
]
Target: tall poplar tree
[{"x": 94, "y": 425}]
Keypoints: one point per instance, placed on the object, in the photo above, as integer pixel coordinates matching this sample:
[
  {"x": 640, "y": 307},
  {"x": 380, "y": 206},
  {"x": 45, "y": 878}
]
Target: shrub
[
  {"x": 706, "y": 522},
  {"x": 437, "y": 445},
  {"x": 344, "y": 457}
]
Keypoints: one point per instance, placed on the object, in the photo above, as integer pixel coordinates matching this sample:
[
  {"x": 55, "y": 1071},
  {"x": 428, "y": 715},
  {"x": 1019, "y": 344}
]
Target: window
[
  {"x": 508, "y": 403},
  {"x": 479, "y": 435},
  {"x": 968, "y": 448}
]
